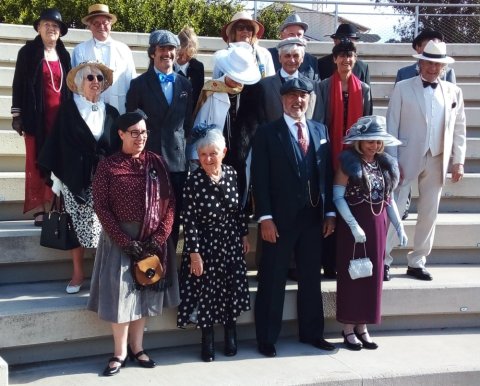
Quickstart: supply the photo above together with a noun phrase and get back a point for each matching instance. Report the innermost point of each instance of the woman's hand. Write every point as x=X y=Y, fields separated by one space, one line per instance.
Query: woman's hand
x=196 y=264
x=246 y=245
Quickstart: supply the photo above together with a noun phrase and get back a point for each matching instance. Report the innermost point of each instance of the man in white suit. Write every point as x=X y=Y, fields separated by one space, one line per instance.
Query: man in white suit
x=114 y=54
x=427 y=115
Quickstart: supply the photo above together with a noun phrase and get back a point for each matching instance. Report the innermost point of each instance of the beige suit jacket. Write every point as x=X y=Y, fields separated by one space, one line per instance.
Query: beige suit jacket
x=407 y=120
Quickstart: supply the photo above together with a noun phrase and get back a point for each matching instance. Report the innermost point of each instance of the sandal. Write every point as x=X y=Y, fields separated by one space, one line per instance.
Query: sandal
x=37 y=222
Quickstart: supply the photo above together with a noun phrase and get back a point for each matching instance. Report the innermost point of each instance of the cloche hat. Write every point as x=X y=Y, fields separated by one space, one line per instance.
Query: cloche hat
x=99 y=10
x=238 y=63
x=52 y=14
x=435 y=52
x=243 y=15
x=370 y=128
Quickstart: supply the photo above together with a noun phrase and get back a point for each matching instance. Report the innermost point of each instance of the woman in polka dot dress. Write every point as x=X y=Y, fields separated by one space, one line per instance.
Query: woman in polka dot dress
x=213 y=280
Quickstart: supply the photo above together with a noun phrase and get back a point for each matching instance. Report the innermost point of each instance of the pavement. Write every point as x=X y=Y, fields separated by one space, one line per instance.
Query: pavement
x=421 y=357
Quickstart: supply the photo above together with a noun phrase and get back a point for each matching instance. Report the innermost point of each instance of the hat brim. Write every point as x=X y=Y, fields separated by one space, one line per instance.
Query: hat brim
x=113 y=18
x=388 y=139
x=249 y=76
x=63 y=26
x=259 y=28
x=353 y=36
x=445 y=59
x=300 y=23
x=107 y=73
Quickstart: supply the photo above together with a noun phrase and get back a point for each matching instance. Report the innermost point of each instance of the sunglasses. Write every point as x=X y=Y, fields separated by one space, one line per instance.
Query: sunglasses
x=91 y=77
x=244 y=27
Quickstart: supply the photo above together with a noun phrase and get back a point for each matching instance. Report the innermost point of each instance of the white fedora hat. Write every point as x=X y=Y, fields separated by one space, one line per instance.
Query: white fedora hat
x=435 y=52
x=238 y=63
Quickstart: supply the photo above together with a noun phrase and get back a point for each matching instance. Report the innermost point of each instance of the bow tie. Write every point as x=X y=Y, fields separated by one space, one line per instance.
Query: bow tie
x=100 y=44
x=166 y=78
x=431 y=84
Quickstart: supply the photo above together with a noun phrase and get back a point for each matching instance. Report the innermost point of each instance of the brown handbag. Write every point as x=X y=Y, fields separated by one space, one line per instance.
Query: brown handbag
x=148 y=270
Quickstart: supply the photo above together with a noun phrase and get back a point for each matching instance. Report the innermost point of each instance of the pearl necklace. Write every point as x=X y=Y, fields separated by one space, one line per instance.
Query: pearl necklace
x=51 y=76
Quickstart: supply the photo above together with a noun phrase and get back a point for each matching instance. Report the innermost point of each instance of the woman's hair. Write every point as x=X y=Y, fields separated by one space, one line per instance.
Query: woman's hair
x=231 y=35
x=344 y=46
x=83 y=72
x=356 y=146
x=188 y=41
x=212 y=137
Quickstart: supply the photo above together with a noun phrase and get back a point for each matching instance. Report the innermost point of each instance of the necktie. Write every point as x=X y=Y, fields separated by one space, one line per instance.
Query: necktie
x=166 y=78
x=431 y=84
x=302 y=142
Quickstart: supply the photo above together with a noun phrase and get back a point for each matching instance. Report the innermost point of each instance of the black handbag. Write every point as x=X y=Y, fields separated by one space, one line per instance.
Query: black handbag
x=57 y=229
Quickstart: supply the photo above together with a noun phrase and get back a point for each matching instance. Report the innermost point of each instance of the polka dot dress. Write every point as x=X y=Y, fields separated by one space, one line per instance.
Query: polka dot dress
x=213 y=227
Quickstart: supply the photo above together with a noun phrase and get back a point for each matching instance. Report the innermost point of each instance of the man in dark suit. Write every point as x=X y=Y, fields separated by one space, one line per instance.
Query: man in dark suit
x=166 y=98
x=294 y=27
x=326 y=66
x=292 y=185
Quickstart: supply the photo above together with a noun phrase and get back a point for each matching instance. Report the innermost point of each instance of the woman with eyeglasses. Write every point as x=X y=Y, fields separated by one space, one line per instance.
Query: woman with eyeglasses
x=38 y=89
x=134 y=200
x=84 y=133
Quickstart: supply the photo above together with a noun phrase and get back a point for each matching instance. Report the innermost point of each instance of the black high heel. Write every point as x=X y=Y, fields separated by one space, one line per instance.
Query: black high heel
x=109 y=371
x=147 y=363
x=366 y=344
x=351 y=346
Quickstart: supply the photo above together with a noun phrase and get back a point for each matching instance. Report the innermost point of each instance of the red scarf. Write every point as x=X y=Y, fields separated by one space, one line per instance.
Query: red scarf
x=337 y=126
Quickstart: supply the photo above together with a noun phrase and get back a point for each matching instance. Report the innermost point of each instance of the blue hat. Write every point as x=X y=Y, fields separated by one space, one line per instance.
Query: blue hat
x=162 y=37
x=297 y=84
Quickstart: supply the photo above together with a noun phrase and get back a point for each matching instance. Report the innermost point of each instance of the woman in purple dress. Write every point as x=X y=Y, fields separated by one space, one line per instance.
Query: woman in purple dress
x=362 y=193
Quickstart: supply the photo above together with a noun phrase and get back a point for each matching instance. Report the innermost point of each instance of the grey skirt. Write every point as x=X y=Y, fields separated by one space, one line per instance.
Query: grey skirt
x=112 y=291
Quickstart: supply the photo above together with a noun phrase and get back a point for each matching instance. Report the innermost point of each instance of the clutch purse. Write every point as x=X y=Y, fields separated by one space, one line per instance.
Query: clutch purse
x=148 y=270
x=57 y=228
x=360 y=267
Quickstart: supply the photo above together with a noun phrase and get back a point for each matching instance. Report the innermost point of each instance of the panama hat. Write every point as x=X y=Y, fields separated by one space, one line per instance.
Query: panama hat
x=243 y=15
x=238 y=63
x=99 y=10
x=370 y=128
x=52 y=14
x=435 y=52
x=107 y=73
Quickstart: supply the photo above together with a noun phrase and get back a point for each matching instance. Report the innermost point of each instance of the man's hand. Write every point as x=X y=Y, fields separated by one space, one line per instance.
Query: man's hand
x=329 y=226
x=269 y=231
x=457 y=172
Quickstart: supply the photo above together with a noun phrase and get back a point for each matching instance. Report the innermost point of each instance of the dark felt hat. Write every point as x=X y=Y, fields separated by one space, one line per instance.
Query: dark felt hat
x=52 y=14
x=297 y=84
x=131 y=118
x=426 y=34
x=346 y=31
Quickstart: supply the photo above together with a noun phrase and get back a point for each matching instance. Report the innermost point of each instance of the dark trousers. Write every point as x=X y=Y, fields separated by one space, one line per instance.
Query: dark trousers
x=303 y=239
x=178 y=182
x=329 y=253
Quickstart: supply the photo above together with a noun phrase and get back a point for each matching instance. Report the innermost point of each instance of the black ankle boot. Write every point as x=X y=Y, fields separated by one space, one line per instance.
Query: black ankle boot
x=230 y=339
x=208 y=349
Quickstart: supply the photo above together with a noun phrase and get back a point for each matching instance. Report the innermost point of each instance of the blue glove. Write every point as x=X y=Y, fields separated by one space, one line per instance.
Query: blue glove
x=344 y=210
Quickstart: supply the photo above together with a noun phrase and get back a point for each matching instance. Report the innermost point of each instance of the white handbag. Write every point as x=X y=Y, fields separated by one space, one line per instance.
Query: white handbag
x=361 y=267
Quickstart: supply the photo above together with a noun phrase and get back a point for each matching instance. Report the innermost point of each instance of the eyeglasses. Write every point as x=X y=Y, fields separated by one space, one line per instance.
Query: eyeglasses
x=104 y=23
x=91 y=77
x=137 y=133
x=244 y=27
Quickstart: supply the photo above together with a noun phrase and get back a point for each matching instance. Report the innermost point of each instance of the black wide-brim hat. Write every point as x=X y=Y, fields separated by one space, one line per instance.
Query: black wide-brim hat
x=52 y=14
x=346 y=30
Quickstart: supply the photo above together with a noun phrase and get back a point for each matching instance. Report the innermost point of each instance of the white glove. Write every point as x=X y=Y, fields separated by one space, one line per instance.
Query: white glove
x=344 y=210
x=394 y=216
x=57 y=186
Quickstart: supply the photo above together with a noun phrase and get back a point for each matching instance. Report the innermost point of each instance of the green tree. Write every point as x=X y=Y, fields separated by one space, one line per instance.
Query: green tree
x=272 y=17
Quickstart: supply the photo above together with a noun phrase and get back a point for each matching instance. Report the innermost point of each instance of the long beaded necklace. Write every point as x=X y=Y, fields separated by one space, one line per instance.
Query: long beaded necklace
x=372 y=166
x=51 y=75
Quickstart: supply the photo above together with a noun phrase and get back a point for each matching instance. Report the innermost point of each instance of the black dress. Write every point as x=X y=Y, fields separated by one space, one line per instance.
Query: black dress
x=213 y=226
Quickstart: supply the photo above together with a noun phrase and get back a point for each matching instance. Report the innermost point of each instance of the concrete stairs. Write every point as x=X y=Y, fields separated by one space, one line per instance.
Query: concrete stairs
x=430 y=330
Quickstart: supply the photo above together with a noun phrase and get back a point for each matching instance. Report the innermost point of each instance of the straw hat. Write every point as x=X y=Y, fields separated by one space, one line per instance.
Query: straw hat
x=99 y=10
x=243 y=15
x=107 y=73
x=435 y=52
x=238 y=63
x=370 y=128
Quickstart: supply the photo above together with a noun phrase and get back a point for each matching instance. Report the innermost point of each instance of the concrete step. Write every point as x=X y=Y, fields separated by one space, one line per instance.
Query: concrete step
x=34 y=316
x=428 y=357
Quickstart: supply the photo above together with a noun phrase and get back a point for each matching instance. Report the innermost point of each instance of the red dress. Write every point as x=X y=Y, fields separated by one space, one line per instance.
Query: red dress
x=37 y=192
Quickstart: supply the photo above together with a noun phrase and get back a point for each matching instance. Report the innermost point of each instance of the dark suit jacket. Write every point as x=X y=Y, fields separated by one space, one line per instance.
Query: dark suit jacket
x=169 y=125
x=326 y=68
x=308 y=68
x=276 y=180
x=196 y=75
x=411 y=71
